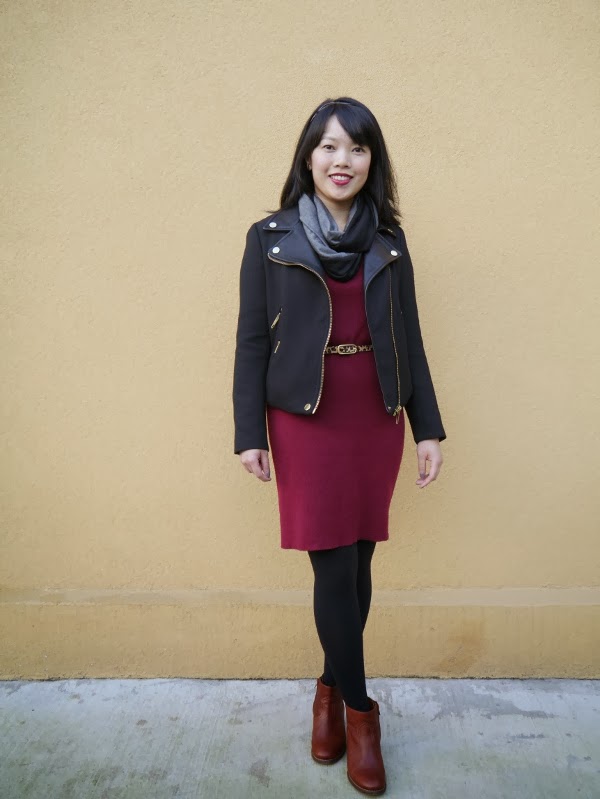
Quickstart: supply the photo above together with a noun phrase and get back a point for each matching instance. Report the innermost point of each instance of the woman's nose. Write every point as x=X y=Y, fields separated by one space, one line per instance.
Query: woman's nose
x=342 y=158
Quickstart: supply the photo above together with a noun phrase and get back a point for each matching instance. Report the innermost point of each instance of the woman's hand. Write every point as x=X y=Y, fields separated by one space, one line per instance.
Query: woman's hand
x=256 y=461
x=429 y=450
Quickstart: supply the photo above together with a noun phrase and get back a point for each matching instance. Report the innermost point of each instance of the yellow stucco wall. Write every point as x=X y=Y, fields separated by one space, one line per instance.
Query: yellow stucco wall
x=140 y=141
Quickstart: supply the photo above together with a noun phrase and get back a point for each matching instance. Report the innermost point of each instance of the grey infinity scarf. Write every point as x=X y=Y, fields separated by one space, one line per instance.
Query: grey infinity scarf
x=340 y=251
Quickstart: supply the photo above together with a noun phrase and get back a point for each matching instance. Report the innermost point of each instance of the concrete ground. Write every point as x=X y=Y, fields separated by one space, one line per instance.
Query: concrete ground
x=224 y=739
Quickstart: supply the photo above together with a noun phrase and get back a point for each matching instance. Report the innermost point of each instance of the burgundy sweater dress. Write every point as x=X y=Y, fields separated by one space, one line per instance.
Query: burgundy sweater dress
x=336 y=469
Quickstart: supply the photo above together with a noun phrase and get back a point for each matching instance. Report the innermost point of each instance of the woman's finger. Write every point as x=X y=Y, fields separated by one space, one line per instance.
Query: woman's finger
x=264 y=464
x=434 y=470
x=257 y=470
x=255 y=467
x=245 y=463
x=421 y=459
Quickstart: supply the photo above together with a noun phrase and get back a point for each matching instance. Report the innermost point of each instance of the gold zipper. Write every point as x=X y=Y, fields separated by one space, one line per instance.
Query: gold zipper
x=398 y=407
x=277 y=347
x=276 y=319
x=288 y=263
x=370 y=333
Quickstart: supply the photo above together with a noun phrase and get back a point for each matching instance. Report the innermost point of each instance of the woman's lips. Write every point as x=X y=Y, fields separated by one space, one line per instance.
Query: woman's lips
x=340 y=180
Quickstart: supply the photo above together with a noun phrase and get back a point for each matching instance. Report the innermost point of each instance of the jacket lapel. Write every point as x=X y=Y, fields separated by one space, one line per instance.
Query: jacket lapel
x=379 y=255
x=294 y=247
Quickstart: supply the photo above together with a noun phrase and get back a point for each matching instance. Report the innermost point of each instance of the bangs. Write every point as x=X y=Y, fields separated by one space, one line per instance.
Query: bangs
x=356 y=122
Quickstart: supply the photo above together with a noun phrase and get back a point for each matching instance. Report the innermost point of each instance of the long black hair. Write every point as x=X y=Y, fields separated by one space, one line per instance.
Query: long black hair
x=362 y=127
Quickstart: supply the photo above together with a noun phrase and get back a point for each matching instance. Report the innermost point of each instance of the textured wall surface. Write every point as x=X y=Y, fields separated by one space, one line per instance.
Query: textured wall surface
x=140 y=141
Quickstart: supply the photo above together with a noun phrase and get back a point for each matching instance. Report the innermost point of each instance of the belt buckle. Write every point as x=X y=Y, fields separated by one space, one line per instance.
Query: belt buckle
x=347 y=349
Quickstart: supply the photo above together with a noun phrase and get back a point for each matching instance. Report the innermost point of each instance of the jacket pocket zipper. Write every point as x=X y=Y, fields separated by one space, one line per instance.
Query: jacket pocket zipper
x=274 y=322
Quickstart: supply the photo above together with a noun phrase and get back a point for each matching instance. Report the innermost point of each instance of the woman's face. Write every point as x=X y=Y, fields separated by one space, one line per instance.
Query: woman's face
x=339 y=167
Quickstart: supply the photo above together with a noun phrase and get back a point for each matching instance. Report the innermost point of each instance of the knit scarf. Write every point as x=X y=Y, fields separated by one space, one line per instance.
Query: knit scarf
x=340 y=251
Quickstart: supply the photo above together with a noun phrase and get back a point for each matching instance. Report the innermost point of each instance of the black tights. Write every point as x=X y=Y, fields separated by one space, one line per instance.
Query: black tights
x=342 y=598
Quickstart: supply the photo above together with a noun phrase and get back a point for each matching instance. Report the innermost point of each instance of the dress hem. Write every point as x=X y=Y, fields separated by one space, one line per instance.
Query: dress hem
x=346 y=544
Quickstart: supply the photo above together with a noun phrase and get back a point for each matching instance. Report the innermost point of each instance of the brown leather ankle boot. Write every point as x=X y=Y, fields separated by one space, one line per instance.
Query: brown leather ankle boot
x=328 y=742
x=365 y=767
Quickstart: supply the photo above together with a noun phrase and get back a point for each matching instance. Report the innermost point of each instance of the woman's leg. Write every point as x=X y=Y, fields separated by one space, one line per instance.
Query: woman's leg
x=365 y=551
x=338 y=619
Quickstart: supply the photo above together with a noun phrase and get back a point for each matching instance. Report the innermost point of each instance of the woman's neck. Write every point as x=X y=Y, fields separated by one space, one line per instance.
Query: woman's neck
x=340 y=213
x=340 y=216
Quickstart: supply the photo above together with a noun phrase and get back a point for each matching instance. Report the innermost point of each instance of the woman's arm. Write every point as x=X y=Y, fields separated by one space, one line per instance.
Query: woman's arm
x=422 y=408
x=252 y=352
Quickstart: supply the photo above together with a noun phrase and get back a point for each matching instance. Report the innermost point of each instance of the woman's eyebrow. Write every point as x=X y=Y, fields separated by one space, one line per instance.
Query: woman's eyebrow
x=335 y=138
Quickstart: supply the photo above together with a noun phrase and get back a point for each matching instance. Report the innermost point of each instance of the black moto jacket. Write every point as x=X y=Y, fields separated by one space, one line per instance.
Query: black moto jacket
x=284 y=325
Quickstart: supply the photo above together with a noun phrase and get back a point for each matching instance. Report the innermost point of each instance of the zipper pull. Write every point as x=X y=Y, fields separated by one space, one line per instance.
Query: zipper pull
x=397 y=413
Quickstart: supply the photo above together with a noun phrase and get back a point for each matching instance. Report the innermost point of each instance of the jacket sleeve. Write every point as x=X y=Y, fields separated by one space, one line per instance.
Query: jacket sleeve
x=422 y=408
x=252 y=351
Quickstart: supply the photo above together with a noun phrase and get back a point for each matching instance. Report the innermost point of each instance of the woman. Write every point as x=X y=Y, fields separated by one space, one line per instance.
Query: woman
x=328 y=355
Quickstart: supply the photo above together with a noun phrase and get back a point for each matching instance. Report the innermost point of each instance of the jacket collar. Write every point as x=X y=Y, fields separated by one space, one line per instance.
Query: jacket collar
x=293 y=247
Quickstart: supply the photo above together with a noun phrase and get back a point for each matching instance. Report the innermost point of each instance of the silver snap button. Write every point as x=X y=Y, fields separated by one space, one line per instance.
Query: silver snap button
x=272 y=224
x=275 y=249
x=307 y=406
x=393 y=252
